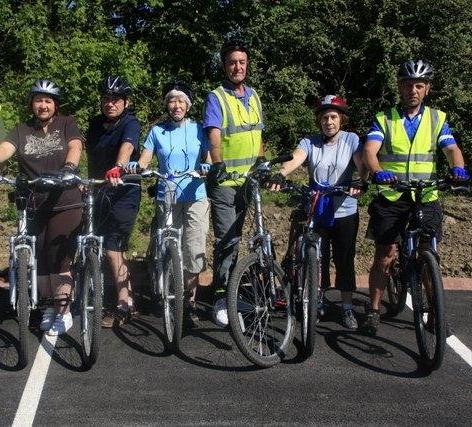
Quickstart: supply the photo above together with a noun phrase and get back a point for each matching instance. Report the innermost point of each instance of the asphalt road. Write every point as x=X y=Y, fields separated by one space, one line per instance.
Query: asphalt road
x=351 y=379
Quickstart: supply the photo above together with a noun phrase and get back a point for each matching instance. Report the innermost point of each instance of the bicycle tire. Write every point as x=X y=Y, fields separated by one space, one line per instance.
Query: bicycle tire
x=245 y=302
x=397 y=290
x=309 y=304
x=22 y=305
x=91 y=301
x=173 y=298
x=428 y=312
x=152 y=265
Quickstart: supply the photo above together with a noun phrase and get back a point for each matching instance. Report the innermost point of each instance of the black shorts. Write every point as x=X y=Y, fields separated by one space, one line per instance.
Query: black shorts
x=55 y=239
x=115 y=215
x=388 y=220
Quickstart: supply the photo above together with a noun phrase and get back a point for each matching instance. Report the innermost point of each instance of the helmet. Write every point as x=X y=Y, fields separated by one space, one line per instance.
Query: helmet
x=46 y=87
x=331 y=101
x=416 y=69
x=179 y=85
x=231 y=45
x=115 y=85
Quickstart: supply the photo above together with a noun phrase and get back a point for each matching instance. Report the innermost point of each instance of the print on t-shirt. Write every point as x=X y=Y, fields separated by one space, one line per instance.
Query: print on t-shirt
x=43 y=146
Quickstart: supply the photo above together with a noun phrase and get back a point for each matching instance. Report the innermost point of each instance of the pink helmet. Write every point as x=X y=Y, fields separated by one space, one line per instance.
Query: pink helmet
x=331 y=101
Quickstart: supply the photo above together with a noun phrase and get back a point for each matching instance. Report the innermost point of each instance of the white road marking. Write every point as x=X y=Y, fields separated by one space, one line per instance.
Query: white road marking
x=452 y=341
x=34 y=386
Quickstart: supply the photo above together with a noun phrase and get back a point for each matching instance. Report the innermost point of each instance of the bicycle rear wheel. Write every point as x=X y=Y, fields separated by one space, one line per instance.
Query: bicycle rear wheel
x=261 y=324
x=428 y=311
x=396 y=290
x=23 y=304
x=173 y=297
x=91 y=300
x=311 y=283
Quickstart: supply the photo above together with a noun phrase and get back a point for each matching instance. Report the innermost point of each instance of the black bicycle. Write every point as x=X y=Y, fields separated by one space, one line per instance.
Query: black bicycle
x=259 y=306
x=303 y=262
x=417 y=269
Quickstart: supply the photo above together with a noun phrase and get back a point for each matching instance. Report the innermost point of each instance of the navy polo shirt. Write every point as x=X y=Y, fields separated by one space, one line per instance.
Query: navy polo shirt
x=103 y=144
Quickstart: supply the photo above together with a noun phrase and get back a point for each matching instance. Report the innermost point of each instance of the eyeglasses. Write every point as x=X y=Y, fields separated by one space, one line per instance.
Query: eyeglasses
x=111 y=99
x=244 y=123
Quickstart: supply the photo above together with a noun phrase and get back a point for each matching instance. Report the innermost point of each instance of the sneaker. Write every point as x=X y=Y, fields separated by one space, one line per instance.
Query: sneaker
x=191 y=318
x=62 y=323
x=48 y=319
x=220 y=313
x=349 y=320
x=322 y=306
x=108 y=319
x=371 y=324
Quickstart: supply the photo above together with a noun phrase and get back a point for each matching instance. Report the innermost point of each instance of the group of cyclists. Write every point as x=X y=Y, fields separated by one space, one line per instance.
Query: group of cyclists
x=401 y=145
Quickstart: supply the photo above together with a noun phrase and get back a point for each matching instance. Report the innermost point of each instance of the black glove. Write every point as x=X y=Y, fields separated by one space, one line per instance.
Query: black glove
x=217 y=173
x=69 y=168
x=277 y=179
x=259 y=160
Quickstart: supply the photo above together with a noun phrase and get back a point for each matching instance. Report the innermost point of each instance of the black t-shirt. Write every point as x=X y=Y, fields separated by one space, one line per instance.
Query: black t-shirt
x=103 y=143
x=39 y=152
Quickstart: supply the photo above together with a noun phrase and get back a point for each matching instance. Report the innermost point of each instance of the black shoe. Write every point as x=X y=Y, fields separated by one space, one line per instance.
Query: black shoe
x=371 y=324
x=191 y=318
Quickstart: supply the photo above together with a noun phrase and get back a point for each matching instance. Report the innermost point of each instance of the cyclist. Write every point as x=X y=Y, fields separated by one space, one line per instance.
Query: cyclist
x=180 y=144
x=332 y=156
x=233 y=121
x=401 y=145
x=50 y=142
x=112 y=141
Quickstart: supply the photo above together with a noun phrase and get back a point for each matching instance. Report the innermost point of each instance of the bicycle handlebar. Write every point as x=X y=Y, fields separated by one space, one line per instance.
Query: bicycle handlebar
x=153 y=173
x=440 y=184
x=328 y=189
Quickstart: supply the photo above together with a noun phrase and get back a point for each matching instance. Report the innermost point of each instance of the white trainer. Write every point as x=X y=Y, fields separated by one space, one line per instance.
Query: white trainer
x=48 y=319
x=220 y=313
x=62 y=323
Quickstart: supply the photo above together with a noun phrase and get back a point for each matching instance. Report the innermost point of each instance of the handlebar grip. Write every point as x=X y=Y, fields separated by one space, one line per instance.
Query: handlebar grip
x=281 y=159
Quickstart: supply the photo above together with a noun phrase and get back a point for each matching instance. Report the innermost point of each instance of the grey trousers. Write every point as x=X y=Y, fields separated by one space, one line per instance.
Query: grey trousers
x=228 y=208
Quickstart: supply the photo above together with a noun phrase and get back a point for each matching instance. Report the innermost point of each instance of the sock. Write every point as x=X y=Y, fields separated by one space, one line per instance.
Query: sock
x=347 y=307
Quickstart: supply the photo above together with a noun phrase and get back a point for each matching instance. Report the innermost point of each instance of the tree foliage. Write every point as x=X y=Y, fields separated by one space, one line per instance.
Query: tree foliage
x=301 y=49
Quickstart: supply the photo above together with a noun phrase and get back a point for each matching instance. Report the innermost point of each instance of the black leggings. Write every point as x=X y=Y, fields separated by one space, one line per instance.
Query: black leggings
x=342 y=237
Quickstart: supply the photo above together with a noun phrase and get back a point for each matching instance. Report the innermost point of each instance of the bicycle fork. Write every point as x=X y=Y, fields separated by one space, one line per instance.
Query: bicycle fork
x=32 y=267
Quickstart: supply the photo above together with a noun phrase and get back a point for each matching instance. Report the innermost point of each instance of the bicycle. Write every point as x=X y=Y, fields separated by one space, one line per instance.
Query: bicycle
x=22 y=259
x=260 y=311
x=166 y=261
x=417 y=269
x=303 y=268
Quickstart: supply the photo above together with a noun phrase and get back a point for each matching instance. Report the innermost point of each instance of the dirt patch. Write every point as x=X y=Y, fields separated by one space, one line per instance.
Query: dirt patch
x=455 y=249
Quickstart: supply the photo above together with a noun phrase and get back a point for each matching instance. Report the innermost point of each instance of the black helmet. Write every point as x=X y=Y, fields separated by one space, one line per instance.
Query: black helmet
x=416 y=70
x=231 y=45
x=178 y=85
x=115 y=85
x=46 y=87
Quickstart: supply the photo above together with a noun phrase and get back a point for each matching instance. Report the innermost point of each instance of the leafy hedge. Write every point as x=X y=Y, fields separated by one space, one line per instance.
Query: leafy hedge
x=300 y=49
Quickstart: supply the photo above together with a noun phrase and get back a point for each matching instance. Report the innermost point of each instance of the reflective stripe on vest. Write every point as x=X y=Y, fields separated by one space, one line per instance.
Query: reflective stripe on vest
x=410 y=159
x=241 y=132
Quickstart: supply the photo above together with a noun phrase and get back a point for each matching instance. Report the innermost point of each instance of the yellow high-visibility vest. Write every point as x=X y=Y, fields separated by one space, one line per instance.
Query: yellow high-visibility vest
x=407 y=159
x=241 y=132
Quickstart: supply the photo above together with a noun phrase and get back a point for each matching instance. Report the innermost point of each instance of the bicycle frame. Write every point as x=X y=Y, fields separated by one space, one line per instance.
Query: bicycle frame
x=89 y=239
x=23 y=241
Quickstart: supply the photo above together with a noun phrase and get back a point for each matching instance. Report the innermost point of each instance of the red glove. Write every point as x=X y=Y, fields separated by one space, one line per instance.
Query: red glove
x=114 y=172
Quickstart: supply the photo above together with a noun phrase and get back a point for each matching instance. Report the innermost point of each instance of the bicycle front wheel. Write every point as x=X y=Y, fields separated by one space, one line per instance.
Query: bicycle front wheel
x=23 y=304
x=91 y=300
x=173 y=298
x=428 y=311
x=261 y=323
x=311 y=283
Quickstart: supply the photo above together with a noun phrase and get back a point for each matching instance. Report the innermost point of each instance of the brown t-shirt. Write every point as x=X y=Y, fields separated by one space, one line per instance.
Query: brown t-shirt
x=40 y=152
